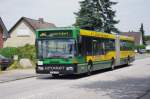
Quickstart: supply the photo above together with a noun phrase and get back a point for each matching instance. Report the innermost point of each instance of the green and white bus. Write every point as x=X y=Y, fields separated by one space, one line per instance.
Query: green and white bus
x=70 y=50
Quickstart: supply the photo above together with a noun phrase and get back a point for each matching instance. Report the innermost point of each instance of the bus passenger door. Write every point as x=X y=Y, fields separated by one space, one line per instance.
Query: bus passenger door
x=97 y=50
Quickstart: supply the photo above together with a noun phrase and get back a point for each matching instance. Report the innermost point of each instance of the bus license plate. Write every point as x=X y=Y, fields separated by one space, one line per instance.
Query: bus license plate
x=54 y=72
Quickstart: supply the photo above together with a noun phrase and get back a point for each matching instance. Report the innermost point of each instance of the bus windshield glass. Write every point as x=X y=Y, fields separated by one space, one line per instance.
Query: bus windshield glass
x=63 y=48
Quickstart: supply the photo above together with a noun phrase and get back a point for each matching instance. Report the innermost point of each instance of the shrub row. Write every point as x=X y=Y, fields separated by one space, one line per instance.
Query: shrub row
x=27 y=51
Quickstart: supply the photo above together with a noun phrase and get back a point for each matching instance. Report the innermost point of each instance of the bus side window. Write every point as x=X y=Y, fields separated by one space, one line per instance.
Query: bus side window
x=79 y=49
x=82 y=50
x=109 y=45
x=87 y=46
x=101 y=48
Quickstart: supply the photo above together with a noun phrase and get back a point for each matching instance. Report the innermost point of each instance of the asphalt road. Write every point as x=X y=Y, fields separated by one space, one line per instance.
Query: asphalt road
x=131 y=82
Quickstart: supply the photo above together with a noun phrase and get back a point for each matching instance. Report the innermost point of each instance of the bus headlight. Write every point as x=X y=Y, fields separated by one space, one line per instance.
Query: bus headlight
x=69 y=68
x=40 y=68
x=40 y=63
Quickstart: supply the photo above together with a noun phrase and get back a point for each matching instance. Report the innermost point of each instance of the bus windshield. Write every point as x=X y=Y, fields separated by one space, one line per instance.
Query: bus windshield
x=54 y=48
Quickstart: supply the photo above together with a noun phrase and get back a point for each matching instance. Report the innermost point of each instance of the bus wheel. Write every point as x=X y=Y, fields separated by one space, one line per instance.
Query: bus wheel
x=112 y=64
x=128 y=61
x=89 y=68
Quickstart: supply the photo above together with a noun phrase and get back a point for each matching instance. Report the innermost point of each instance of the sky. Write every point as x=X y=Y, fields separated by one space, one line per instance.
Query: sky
x=131 y=13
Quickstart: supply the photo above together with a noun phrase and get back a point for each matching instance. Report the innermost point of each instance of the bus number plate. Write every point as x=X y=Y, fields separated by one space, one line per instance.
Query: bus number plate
x=54 y=72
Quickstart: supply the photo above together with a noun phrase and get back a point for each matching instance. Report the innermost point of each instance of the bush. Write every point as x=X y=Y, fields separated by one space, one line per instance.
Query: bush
x=28 y=51
x=138 y=47
x=9 y=51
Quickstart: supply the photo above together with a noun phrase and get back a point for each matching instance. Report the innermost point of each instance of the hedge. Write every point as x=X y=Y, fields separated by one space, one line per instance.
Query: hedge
x=27 y=51
x=9 y=51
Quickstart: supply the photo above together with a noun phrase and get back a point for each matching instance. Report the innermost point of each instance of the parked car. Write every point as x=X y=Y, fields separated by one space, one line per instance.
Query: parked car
x=4 y=62
x=142 y=51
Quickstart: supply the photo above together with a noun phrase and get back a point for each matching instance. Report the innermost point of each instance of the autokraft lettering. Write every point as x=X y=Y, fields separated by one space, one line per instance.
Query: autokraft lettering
x=55 y=68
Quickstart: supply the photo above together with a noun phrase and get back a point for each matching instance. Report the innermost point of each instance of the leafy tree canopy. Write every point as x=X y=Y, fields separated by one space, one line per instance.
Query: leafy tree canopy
x=97 y=15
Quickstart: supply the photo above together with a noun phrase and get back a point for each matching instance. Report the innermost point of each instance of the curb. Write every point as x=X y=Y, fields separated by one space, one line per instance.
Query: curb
x=18 y=79
x=146 y=95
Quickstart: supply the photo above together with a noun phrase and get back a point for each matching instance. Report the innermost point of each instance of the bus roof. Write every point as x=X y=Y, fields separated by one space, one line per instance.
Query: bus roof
x=103 y=35
x=126 y=38
x=88 y=33
x=96 y=34
x=57 y=28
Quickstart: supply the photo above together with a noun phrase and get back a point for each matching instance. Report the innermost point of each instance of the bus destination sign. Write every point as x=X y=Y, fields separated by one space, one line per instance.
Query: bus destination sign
x=55 y=34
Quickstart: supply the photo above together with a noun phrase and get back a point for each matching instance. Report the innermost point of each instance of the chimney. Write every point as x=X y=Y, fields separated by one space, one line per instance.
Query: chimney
x=41 y=20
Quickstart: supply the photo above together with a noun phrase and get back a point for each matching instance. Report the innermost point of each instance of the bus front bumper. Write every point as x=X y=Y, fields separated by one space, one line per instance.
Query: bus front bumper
x=65 y=69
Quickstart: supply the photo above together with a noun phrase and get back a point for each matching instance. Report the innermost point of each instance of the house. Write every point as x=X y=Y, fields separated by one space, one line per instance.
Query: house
x=3 y=33
x=147 y=43
x=136 y=35
x=23 y=32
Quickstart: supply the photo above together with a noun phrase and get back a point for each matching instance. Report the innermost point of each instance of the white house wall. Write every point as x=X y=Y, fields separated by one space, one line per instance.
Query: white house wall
x=20 y=36
x=148 y=47
x=141 y=40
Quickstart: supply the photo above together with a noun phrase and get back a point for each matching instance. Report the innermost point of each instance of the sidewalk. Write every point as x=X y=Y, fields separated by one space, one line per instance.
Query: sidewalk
x=12 y=75
x=141 y=56
x=146 y=96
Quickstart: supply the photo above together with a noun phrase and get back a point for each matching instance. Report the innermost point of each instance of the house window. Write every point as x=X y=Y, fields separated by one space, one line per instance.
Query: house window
x=23 y=32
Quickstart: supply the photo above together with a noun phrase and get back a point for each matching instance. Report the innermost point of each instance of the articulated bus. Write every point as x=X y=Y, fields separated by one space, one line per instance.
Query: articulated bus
x=70 y=50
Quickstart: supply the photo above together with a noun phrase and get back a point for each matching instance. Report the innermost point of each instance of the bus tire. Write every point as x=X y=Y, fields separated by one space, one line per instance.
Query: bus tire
x=112 y=64
x=89 y=68
x=128 y=61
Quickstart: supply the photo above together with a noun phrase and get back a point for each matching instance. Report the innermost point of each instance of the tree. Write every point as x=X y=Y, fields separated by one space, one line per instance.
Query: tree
x=143 y=33
x=87 y=17
x=147 y=38
x=97 y=15
x=109 y=15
